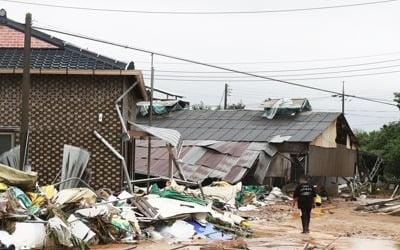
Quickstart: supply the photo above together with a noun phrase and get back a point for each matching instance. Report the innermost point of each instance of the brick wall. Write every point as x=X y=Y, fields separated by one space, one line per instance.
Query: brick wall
x=64 y=110
x=10 y=38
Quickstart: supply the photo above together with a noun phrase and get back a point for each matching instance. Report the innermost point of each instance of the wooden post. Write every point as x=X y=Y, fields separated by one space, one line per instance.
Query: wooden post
x=226 y=97
x=25 y=90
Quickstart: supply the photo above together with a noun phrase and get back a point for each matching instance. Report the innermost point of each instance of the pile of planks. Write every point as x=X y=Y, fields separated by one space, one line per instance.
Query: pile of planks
x=390 y=206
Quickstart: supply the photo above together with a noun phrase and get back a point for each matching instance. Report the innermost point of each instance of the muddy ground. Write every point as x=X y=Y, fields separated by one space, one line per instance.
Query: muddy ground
x=335 y=226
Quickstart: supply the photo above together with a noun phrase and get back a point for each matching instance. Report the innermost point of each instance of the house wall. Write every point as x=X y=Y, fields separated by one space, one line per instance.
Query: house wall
x=10 y=38
x=327 y=139
x=64 y=110
x=338 y=161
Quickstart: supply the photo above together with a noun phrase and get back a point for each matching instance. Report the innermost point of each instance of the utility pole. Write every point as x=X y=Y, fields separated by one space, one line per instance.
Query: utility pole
x=25 y=91
x=226 y=97
x=150 y=121
x=343 y=97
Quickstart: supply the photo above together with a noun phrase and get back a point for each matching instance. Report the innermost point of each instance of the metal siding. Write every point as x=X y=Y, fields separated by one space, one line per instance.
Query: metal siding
x=338 y=161
x=210 y=159
x=248 y=158
x=226 y=163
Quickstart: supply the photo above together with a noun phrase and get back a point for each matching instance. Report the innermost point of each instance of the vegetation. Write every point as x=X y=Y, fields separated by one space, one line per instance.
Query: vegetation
x=202 y=106
x=384 y=143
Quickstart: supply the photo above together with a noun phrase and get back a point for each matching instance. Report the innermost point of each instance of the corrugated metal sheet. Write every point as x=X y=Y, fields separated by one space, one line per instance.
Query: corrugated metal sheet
x=229 y=161
x=338 y=161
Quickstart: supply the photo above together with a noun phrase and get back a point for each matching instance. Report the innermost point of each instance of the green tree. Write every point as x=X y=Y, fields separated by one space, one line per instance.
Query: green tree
x=397 y=98
x=385 y=143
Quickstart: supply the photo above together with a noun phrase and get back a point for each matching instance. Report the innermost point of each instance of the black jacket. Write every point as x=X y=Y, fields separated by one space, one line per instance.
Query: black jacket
x=304 y=194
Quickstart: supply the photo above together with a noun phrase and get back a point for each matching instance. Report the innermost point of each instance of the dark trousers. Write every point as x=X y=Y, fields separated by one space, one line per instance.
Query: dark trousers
x=305 y=218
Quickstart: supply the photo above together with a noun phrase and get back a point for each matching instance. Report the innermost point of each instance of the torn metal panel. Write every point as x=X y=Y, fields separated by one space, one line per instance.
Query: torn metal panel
x=231 y=148
x=210 y=159
x=193 y=155
x=74 y=164
x=226 y=163
x=171 y=136
x=11 y=157
x=263 y=163
x=280 y=166
x=266 y=147
x=202 y=159
x=235 y=175
x=248 y=158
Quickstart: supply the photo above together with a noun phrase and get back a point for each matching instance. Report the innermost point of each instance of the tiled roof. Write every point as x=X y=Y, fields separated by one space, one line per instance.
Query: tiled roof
x=244 y=125
x=56 y=59
x=63 y=55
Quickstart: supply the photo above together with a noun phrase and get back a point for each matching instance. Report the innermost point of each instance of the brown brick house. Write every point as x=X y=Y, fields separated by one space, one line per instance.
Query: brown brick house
x=71 y=90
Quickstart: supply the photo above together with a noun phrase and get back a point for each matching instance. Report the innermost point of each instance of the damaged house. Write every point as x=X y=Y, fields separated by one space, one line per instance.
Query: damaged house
x=271 y=146
x=73 y=92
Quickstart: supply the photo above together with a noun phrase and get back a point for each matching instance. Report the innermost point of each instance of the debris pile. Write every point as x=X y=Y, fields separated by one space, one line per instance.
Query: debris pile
x=73 y=216
x=388 y=206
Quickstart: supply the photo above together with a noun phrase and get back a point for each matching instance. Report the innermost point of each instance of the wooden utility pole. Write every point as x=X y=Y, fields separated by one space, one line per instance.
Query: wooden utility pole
x=150 y=122
x=25 y=91
x=226 y=97
x=343 y=97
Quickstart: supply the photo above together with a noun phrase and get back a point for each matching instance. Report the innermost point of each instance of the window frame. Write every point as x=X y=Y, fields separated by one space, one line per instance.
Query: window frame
x=11 y=133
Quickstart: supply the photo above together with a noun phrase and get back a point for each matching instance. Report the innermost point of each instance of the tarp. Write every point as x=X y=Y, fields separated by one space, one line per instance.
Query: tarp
x=285 y=107
x=175 y=195
x=13 y=177
x=170 y=208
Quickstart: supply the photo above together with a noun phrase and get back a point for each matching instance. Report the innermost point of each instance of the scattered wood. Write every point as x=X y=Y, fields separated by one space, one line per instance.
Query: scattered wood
x=222 y=245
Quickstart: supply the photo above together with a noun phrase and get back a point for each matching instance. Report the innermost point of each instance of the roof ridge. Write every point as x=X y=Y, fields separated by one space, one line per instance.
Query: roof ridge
x=62 y=44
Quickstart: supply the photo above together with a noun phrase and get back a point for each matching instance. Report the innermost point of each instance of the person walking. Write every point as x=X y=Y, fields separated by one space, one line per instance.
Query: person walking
x=304 y=197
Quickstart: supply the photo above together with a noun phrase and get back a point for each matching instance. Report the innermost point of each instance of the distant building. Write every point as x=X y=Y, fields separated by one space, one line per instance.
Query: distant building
x=73 y=92
x=244 y=145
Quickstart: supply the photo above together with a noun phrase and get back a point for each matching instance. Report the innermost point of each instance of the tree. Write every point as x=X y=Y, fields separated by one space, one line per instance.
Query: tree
x=397 y=98
x=385 y=143
x=239 y=105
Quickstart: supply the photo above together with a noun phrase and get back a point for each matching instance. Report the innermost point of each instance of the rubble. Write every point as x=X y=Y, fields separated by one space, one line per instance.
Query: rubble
x=387 y=206
x=80 y=217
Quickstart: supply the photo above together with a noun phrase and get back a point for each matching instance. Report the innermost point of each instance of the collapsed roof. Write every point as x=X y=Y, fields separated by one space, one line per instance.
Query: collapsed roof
x=228 y=161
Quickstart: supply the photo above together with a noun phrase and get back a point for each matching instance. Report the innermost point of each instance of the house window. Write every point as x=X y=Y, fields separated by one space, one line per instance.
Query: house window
x=6 y=141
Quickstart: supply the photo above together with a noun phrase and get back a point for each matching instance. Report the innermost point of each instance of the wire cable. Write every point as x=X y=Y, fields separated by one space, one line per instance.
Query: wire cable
x=284 y=80
x=212 y=66
x=289 y=61
x=201 y=12
x=290 y=75
x=284 y=70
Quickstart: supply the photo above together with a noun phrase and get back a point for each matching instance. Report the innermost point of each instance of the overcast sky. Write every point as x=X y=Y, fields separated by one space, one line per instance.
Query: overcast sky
x=251 y=42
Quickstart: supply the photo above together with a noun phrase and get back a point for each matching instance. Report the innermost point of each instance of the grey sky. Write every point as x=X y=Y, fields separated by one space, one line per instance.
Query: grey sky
x=236 y=39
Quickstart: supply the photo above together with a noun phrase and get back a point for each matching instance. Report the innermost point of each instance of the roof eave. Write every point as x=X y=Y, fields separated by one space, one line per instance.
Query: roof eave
x=96 y=72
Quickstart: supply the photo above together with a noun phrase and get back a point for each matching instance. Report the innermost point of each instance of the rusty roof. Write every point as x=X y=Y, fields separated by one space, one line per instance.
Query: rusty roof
x=228 y=161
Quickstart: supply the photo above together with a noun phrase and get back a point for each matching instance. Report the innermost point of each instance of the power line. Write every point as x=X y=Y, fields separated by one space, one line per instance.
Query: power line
x=290 y=75
x=200 y=12
x=212 y=66
x=271 y=79
x=284 y=70
x=291 y=61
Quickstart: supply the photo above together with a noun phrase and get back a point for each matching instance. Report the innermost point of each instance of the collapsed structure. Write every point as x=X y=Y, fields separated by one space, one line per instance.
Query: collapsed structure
x=235 y=145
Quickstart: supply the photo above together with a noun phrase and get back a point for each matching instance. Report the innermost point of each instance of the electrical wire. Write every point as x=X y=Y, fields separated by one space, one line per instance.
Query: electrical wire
x=290 y=61
x=212 y=66
x=201 y=12
x=285 y=80
x=284 y=70
x=287 y=75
